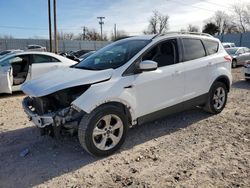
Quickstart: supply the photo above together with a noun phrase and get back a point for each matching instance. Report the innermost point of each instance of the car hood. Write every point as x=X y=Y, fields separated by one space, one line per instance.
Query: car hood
x=62 y=79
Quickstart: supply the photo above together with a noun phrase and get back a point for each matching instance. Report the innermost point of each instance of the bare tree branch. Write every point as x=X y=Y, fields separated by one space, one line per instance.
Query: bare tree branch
x=158 y=23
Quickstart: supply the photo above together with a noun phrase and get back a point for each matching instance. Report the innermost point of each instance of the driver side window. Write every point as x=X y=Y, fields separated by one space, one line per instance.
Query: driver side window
x=165 y=53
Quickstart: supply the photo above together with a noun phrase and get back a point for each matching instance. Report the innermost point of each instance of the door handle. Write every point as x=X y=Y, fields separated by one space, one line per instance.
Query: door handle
x=177 y=72
x=209 y=64
x=129 y=86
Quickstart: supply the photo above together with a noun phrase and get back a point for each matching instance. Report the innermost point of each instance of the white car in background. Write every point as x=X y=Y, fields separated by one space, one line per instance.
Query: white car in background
x=34 y=47
x=17 y=68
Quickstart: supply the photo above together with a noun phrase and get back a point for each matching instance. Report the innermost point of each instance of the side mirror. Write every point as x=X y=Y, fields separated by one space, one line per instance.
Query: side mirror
x=148 y=65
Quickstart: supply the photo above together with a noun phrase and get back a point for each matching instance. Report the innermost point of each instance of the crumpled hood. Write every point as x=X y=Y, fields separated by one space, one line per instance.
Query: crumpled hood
x=62 y=79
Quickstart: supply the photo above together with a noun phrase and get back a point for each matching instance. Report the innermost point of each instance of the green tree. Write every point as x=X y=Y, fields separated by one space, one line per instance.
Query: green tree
x=210 y=28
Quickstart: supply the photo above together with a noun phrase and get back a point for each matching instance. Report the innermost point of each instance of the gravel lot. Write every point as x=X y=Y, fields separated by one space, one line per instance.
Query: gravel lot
x=189 y=149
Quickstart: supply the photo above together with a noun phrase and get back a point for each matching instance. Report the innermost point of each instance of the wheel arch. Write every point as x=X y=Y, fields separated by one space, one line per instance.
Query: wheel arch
x=223 y=79
x=234 y=59
x=123 y=105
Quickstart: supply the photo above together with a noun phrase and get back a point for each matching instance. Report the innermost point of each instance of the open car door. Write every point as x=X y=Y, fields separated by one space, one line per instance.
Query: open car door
x=6 y=79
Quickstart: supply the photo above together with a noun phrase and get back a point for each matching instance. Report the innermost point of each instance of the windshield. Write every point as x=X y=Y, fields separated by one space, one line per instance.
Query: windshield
x=113 y=55
x=232 y=50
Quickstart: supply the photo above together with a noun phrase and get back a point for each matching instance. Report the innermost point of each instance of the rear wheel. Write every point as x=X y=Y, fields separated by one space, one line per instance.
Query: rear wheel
x=217 y=98
x=103 y=131
x=234 y=63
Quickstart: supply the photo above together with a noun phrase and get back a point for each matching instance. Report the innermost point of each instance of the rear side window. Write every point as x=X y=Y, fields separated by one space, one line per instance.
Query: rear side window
x=193 y=49
x=211 y=46
x=44 y=59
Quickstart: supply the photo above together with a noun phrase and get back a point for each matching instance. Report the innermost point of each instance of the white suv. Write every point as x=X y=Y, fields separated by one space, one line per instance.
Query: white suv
x=129 y=82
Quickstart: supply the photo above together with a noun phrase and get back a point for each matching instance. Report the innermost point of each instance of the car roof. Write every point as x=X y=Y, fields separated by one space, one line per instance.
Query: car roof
x=37 y=52
x=61 y=58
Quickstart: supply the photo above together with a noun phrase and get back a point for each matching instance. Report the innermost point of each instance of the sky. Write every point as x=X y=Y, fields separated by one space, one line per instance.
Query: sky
x=29 y=18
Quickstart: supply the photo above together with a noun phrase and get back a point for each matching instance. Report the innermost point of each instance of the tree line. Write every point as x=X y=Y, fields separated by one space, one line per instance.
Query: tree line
x=236 y=21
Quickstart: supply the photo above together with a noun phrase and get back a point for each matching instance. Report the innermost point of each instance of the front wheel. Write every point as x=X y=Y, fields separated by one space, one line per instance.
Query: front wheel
x=217 y=98
x=103 y=131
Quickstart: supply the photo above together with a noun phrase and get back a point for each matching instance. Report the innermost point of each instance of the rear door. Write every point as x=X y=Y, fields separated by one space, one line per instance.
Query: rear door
x=241 y=56
x=196 y=68
x=42 y=64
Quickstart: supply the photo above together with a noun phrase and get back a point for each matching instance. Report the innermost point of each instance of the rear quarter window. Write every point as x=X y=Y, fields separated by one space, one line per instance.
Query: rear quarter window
x=44 y=59
x=193 y=49
x=211 y=46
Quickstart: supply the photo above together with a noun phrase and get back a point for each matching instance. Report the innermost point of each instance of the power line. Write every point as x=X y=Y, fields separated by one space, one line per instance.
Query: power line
x=36 y=28
x=212 y=3
x=24 y=28
x=225 y=5
x=194 y=6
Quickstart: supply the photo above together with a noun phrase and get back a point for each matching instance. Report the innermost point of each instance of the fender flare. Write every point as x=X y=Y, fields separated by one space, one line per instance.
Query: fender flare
x=224 y=79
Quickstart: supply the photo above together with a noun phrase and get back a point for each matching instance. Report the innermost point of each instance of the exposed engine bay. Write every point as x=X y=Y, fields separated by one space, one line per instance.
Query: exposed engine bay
x=54 y=114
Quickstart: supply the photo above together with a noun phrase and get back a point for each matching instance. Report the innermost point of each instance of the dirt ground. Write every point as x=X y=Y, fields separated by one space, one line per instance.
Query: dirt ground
x=189 y=149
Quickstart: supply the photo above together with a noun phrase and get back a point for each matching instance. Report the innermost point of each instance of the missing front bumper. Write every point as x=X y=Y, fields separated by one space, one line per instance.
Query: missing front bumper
x=68 y=117
x=39 y=121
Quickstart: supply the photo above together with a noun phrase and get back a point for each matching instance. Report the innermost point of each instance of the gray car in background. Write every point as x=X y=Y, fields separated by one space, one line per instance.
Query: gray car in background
x=240 y=55
x=228 y=45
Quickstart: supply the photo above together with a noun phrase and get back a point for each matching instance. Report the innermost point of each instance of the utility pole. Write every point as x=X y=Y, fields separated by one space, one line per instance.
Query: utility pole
x=55 y=30
x=101 y=23
x=50 y=32
x=115 y=32
x=83 y=32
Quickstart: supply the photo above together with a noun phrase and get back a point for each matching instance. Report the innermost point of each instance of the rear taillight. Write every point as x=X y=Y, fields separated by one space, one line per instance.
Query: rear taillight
x=228 y=58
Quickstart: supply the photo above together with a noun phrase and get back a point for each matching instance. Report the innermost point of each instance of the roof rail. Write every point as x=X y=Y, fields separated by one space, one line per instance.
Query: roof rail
x=184 y=32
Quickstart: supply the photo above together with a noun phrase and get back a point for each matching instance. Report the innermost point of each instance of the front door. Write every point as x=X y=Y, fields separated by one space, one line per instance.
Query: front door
x=42 y=64
x=6 y=79
x=164 y=87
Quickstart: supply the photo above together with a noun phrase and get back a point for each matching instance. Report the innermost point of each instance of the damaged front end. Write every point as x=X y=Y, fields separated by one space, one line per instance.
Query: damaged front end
x=54 y=114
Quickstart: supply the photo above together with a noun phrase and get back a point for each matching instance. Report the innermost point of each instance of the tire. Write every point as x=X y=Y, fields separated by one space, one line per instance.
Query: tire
x=234 y=63
x=108 y=138
x=213 y=105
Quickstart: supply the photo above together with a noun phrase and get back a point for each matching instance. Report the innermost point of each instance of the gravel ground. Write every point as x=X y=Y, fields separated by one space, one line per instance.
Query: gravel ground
x=189 y=149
